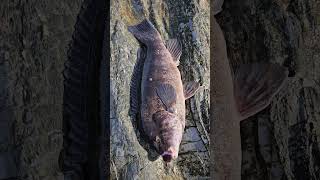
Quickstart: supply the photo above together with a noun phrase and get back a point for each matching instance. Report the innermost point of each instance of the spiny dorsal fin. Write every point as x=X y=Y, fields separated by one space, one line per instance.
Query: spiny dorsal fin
x=174 y=48
x=190 y=89
x=255 y=85
x=167 y=95
x=136 y=82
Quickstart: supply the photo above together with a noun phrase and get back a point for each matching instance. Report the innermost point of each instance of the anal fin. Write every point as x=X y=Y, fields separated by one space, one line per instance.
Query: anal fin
x=135 y=84
x=255 y=85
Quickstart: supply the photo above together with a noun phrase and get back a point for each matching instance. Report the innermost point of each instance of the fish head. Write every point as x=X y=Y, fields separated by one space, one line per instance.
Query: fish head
x=170 y=134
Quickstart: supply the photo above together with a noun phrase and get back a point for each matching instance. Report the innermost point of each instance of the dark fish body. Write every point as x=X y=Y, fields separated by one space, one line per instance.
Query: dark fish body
x=159 y=68
x=163 y=95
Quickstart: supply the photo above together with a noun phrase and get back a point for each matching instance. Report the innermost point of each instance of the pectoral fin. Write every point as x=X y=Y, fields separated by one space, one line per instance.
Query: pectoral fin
x=190 y=89
x=167 y=95
x=217 y=6
x=255 y=85
x=174 y=48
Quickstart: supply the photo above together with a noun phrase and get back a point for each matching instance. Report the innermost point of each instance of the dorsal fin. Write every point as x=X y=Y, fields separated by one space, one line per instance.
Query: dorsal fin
x=136 y=82
x=255 y=85
x=175 y=50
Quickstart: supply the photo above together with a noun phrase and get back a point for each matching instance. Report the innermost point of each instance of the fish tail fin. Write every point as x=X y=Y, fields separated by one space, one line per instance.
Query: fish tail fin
x=255 y=85
x=145 y=32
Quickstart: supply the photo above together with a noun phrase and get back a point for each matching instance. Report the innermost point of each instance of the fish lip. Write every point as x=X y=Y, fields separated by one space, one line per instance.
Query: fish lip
x=168 y=155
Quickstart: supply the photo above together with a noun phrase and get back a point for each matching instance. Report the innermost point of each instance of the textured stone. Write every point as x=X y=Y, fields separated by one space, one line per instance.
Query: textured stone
x=34 y=37
x=8 y=167
x=281 y=141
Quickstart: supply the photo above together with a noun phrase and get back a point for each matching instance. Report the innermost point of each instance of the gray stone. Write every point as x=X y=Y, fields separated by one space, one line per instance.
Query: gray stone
x=8 y=166
x=192 y=146
x=34 y=40
x=191 y=134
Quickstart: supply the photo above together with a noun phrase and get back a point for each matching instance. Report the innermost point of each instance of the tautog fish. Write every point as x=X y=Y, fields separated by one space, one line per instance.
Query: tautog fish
x=162 y=94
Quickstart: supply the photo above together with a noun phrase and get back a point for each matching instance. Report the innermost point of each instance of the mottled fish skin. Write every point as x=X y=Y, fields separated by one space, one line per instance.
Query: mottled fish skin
x=163 y=125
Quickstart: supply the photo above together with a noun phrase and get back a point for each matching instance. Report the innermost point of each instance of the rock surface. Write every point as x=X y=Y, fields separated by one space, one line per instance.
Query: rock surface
x=189 y=22
x=34 y=37
x=280 y=142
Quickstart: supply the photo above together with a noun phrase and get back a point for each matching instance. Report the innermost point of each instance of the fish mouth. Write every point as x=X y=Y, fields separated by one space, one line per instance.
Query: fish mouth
x=168 y=156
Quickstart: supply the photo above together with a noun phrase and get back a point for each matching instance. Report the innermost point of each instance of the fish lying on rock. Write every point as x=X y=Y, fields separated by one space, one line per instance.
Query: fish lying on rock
x=235 y=97
x=162 y=97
